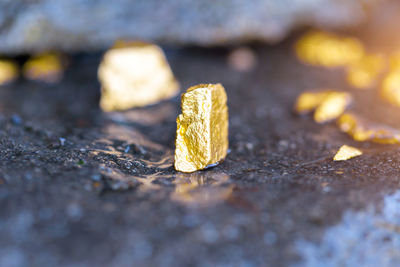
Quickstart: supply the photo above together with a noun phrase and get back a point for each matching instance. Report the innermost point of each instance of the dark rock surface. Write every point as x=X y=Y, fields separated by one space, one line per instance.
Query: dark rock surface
x=106 y=193
x=28 y=26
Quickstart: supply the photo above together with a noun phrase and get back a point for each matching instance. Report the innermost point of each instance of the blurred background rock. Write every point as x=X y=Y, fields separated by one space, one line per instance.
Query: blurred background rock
x=28 y=26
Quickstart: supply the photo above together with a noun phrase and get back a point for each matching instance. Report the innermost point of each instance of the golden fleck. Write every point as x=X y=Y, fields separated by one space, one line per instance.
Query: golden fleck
x=347 y=152
x=332 y=106
x=46 y=67
x=364 y=73
x=202 y=128
x=390 y=90
x=135 y=74
x=361 y=130
x=8 y=71
x=329 y=50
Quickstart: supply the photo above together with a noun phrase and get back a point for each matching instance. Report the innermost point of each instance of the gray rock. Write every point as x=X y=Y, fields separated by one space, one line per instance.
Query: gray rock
x=76 y=25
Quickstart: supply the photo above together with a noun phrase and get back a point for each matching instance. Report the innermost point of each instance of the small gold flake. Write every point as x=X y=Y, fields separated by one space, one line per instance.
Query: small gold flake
x=347 y=152
x=202 y=128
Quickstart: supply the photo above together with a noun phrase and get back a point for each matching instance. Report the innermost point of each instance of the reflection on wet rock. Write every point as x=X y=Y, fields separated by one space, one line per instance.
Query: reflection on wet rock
x=115 y=180
x=201 y=189
x=134 y=75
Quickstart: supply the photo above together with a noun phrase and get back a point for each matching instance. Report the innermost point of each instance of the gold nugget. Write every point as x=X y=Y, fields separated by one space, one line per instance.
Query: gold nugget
x=8 y=71
x=46 y=67
x=134 y=74
x=390 y=90
x=332 y=106
x=309 y=101
x=347 y=152
x=328 y=50
x=202 y=128
x=364 y=73
x=328 y=105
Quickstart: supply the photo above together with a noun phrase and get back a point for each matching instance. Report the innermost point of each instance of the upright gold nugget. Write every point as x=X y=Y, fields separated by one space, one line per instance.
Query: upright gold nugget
x=202 y=128
x=134 y=75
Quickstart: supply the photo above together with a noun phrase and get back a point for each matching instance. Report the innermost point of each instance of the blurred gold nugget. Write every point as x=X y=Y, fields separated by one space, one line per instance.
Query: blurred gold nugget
x=309 y=101
x=332 y=107
x=361 y=130
x=202 y=128
x=390 y=89
x=328 y=105
x=364 y=73
x=328 y=50
x=135 y=74
x=347 y=152
x=46 y=67
x=8 y=71
x=395 y=61
x=200 y=191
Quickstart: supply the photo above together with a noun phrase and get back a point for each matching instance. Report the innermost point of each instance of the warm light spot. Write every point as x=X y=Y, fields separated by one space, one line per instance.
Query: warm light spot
x=8 y=71
x=390 y=90
x=361 y=130
x=46 y=67
x=328 y=50
x=347 y=152
x=364 y=73
x=242 y=59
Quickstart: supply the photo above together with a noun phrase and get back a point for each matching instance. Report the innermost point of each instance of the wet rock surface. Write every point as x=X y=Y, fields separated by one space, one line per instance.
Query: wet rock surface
x=27 y=26
x=79 y=187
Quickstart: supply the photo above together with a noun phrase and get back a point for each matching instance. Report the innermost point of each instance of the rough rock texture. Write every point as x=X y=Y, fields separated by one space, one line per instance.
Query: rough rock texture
x=27 y=26
x=79 y=187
